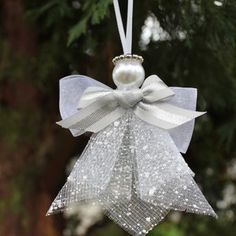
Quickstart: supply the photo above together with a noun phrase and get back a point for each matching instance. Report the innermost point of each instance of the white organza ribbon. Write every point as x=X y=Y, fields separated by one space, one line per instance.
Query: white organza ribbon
x=99 y=107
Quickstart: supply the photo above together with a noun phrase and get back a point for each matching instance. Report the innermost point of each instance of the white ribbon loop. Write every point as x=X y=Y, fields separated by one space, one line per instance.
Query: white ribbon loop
x=100 y=107
x=126 y=38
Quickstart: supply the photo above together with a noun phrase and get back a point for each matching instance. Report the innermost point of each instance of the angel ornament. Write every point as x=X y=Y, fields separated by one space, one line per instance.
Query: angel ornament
x=132 y=166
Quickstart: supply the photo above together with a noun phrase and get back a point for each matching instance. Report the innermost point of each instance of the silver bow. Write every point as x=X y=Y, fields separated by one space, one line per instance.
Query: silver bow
x=100 y=107
x=132 y=167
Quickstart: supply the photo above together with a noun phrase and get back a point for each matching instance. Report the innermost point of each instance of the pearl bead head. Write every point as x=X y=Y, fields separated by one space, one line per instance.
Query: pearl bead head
x=128 y=72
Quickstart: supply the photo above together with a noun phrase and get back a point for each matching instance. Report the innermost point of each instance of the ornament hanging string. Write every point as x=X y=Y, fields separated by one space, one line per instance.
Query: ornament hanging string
x=126 y=37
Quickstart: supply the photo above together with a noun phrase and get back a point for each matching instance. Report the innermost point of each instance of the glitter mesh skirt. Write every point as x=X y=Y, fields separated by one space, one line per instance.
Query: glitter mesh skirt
x=135 y=172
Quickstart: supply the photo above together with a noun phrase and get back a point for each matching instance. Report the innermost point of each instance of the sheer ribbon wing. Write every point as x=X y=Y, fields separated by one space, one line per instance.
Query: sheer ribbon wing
x=71 y=89
x=131 y=168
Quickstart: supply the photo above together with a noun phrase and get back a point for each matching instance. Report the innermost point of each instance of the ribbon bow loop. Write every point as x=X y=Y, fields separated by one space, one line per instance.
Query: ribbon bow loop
x=154 y=89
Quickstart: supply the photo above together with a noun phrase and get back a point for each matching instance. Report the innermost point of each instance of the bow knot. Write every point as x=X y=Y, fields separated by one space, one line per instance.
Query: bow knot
x=128 y=98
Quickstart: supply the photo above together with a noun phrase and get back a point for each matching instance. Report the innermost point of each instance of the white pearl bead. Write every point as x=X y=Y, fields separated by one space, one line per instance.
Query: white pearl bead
x=128 y=74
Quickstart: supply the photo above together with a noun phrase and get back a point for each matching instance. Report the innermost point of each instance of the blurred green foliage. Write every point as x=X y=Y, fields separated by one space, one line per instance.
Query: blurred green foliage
x=199 y=50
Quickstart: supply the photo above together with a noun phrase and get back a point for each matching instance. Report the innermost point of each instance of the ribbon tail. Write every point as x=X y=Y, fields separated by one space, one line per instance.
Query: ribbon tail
x=164 y=115
x=181 y=113
x=93 y=118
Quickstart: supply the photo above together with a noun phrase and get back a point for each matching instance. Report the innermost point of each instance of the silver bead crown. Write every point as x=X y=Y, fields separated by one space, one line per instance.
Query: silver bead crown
x=128 y=56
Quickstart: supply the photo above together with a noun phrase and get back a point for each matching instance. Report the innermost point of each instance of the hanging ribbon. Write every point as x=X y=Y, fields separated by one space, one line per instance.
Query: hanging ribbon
x=99 y=107
x=126 y=38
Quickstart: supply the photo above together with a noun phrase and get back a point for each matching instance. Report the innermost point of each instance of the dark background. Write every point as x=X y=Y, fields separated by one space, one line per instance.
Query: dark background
x=42 y=41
